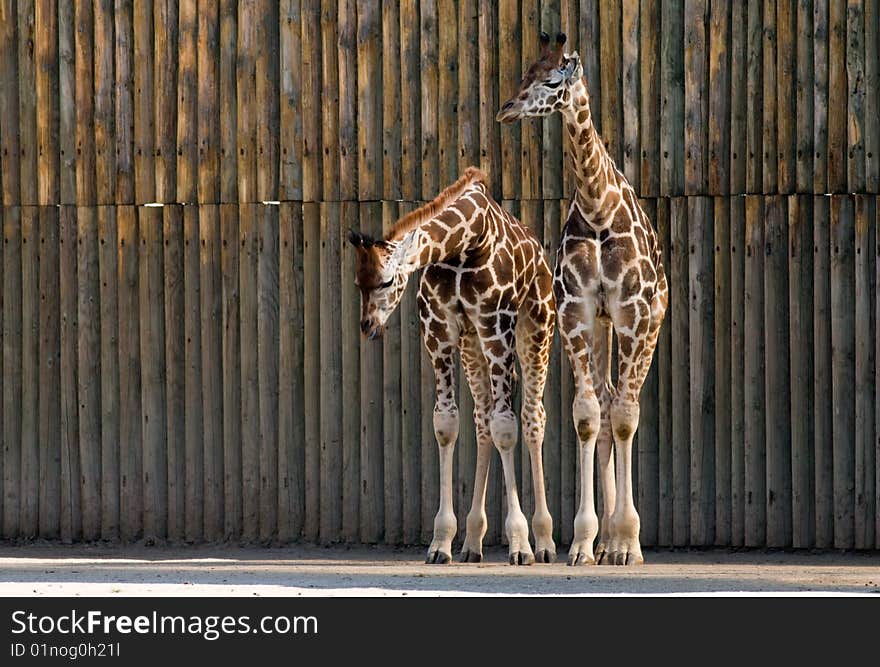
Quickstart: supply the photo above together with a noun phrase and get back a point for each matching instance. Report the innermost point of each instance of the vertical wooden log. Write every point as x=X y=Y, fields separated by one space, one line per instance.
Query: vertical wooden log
x=804 y=97
x=841 y=240
x=649 y=118
x=753 y=369
x=30 y=372
x=165 y=107
x=720 y=99
x=680 y=331
x=229 y=103
x=723 y=334
x=69 y=110
x=770 y=169
x=822 y=408
x=13 y=350
x=3 y=413
x=754 y=98
x=800 y=307
x=568 y=23
x=410 y=374
x=331 y=374
x=267 y=357
x=71 y=469
x=531 y=129
x=430 y=98
x=311 y=99
x=131 y=502
x=232 y=427
x=820 y=97
x=248 y=107
x=291 y=390
x=490 y=145
x=49 y=420
x=89 y=372
x=410 y=104
x=372 y=500
x=649 y=444
x=153 y=372
x=630 y=96
x=47 y=109
x=391 y=102
x=739 y=58
x=105 y=126
x=195 y=398
x=248 y=241
x=187 y=189
x=837 y=92
x=877 y=375
x=392 y=411
x=290 y=131
x=737 y=366
x=855 y=78
x=27 y=102
x=664 y=368
x=330 y=101
x=311 y=368
x=509 y=74
x=183 y=408
x=10 y=147
x=210 y=299
x=268 y=100
x=696 y=97
x=865 y=329
x=672 y=99
x=777 y=369
x=612 y=98
x=124 y=109
x=786 y=95
x=872 y=102
x=701 y=323
x=80 y=160
x=144 y=143
x=447 y=86
x=110 y=404
x=370 y=104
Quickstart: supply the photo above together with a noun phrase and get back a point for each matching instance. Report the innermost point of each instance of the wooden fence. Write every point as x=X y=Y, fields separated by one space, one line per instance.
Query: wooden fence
x=180 y=351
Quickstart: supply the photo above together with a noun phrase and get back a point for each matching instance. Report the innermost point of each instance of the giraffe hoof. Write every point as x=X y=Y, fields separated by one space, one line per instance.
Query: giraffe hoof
x=623 y=558
x=470 y=557
x=522 y=558
x=545 y=556
x=438 y=558
x=581 y=558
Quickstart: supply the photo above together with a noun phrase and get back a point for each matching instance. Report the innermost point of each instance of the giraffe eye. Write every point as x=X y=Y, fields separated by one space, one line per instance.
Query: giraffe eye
x=553 y=84
x=386 y=284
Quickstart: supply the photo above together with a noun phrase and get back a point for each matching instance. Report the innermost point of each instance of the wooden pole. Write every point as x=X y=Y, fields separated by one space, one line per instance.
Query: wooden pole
x=649 y=120
x=804 y=97
x=80 y=160
x=229 y=109
x=105 y=93
x=770 y=169
x=841 y=240
x=124 y=146
x=822 y=409
x=672 y=99
x=786 y=94
x=720 y=99
x=753 y=364
x=777 y=376
x=10 y=147
x=490 y=144
x=872 y=102
x=510 y=37
x=723 y=335
x=696 y=97
x=30 y=371
x=246 y=140
x=27 y=102
x=144 y=141
x=820 y=98
x=268 y=100
x=290 y=119
x=311 y=368
x=187 y=167
x=13 y=355
x=663 y=354
x=837 y=93
x=195 y=397
x=754 y=98
x=110 y=399
x=737 y=366
x=248 y=241
x=530 y=129
x=800 y=307
x=165 y=108
x=267 y=355
x=680 y=332
x=71 y=469
x=630 y=26
x=856 y=93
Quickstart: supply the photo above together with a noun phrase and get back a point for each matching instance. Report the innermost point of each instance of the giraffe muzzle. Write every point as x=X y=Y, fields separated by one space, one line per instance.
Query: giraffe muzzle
x=508 y=113
x=371 y=329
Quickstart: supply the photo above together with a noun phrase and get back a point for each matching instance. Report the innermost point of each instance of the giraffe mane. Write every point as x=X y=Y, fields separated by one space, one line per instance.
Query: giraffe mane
x=415 y=218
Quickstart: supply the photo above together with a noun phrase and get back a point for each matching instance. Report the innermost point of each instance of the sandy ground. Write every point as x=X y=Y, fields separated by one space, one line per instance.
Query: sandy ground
x=55 y=570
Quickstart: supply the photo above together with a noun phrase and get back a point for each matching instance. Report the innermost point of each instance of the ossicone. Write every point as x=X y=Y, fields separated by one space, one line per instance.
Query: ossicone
x=560 y=38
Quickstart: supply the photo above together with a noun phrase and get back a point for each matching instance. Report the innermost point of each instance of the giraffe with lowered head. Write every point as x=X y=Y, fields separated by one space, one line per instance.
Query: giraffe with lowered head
x=486 y=292
x=609 y=275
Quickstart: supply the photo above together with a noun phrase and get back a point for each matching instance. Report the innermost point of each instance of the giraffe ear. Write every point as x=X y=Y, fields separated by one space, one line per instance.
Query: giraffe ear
x=355 y=238
x=545 y=44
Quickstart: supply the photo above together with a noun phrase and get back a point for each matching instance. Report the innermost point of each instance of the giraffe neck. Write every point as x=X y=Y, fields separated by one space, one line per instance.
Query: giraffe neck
x=593 y=167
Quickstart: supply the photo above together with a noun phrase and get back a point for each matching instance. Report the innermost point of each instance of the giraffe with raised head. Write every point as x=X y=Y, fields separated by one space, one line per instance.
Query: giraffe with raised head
x=609 y=276
x=486 y=292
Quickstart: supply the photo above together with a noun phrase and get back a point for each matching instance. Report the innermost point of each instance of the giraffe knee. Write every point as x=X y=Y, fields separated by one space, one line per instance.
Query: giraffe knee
x=445 y=426
x=624 y=419
x=504 y=430
x=587 y=416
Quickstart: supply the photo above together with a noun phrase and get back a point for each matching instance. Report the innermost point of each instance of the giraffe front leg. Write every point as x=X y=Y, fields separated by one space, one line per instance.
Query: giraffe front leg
x=446 y=432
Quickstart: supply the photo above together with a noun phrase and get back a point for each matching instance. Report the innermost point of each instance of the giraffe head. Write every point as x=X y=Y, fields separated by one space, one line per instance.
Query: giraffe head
x=379 y=278
x=546 y=85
